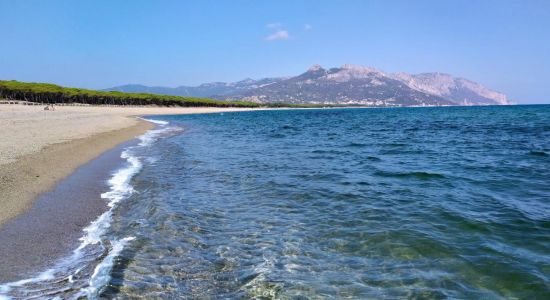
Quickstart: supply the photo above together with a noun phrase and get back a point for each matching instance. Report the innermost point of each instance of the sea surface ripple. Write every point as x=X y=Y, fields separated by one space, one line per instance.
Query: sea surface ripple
x=429 y=203
x=417 y=203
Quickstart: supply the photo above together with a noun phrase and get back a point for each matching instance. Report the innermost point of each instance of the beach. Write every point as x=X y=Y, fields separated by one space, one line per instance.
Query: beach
x=53 y=169
x=38 y=148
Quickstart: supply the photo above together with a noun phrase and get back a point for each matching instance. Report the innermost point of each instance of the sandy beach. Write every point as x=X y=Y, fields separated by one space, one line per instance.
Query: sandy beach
x=51 y=227
x=38 y=148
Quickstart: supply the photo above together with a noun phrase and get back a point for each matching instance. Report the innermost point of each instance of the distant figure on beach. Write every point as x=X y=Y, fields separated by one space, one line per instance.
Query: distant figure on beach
x=49 y=107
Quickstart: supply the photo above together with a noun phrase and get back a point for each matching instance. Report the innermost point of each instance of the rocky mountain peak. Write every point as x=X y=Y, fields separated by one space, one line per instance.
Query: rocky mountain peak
x=315 y=68
x=353 y=72
x=359 y=69
x=458 y=90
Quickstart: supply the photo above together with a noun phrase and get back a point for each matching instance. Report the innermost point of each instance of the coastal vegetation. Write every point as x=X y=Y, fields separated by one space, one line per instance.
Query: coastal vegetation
x=54 y=94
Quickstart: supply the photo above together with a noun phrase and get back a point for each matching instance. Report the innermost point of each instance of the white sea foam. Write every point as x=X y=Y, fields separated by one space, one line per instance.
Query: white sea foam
x=158 y=122
x=102 y=272
x=120 y=188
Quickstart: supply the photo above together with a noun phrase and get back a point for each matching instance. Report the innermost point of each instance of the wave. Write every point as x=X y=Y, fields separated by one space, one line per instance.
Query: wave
x=158 y=122
x=92 y=250
x=373 y=158
x=102 y=272
x=538 y=153
x=356 y=145
x=417 y=175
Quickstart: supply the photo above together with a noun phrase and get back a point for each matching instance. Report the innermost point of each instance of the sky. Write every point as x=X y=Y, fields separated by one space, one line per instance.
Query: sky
x=504 y=45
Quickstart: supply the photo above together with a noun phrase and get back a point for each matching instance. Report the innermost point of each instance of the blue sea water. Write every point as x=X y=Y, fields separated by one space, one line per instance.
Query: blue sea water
x=407 y=203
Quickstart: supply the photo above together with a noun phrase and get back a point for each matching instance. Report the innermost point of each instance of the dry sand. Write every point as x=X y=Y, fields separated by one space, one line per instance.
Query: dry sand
x=38 y=148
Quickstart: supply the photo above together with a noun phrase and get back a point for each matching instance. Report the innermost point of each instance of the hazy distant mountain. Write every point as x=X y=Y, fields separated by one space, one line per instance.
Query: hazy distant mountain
x=458 y=90
x=349 y=84
x=203 y=90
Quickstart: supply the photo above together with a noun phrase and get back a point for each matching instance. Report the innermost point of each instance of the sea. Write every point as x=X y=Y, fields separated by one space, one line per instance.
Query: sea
x=349 y=203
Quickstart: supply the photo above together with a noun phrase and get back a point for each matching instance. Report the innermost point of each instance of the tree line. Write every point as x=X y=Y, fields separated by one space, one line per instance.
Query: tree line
x=51 y=94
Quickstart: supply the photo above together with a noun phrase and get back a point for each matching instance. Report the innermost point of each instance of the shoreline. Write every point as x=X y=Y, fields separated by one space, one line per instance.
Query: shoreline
x=36 y=187
x=39 y=148
x=58 y=217
x=31 y=175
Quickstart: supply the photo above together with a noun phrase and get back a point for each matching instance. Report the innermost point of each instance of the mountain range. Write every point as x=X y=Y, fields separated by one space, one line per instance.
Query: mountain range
x=346 y=85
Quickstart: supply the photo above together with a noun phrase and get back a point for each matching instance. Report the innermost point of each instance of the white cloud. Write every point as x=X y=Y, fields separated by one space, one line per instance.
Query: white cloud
x=278 y=35
x=274 y=25
x=308 y=27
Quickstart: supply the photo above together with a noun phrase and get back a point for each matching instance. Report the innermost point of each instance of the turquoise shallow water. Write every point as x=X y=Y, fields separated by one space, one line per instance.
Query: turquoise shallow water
x=419 y=203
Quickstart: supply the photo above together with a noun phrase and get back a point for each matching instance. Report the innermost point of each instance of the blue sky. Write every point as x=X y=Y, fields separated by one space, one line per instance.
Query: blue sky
x=504 y=45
